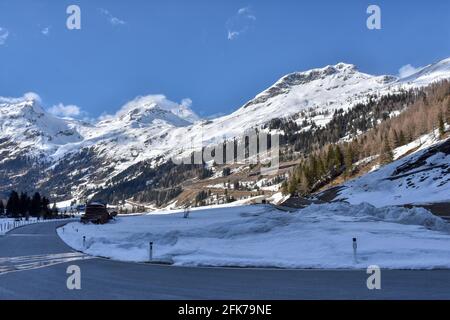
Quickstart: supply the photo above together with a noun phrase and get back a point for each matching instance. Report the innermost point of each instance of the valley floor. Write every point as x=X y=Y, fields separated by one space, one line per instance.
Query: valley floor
x=319 y=236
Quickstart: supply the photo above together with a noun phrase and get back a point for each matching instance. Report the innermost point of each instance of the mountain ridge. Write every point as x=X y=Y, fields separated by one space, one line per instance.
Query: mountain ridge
x=153 y=129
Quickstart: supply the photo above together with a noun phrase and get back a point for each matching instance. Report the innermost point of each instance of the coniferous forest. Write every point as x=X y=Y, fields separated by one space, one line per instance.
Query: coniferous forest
x=367 y=130
x=23 y=206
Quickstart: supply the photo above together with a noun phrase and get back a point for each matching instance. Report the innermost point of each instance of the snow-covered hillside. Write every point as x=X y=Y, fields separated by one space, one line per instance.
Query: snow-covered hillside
x=325 y=89
x=26 y=127
x=319 y=236
x=329 y=88
x=421 y=177
x=131 y=135
x=153 y=129
x=431 y=73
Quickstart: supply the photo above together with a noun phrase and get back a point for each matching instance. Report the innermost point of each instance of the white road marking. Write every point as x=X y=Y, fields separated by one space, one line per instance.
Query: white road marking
x=24 y=263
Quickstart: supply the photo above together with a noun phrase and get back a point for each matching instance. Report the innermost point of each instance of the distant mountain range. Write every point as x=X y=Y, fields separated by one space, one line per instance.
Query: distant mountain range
x=68 y=158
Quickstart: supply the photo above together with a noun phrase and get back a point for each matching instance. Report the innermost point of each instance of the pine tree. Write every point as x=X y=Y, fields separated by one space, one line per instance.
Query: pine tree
x=305 y=183
x=24 y=204
x=36 y=205
x=386 y=155
x=45 y=211
x=339 y=157
x=331 y=158
x=348 y=159
x=447 y=112
x=441 y=125
x=54 y=209
x=13 y=204
x=396 y=139
x=402 y=139
x=314 y=168
x=321 y=162
x=2 y=208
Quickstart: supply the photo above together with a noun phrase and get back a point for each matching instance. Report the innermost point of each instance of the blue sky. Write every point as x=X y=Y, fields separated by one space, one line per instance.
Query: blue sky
x=219 y=54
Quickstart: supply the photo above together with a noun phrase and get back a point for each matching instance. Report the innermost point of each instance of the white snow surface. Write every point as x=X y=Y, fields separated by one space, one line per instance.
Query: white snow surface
x=426 y=183
x=319 y=236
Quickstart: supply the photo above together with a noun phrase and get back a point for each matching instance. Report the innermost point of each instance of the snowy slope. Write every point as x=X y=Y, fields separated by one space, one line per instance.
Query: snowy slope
x=319 y=236
x=431 y=73
x=28 y=128
x=332 y=87
x=421 y=177
x=328 y=88
x=152 y=128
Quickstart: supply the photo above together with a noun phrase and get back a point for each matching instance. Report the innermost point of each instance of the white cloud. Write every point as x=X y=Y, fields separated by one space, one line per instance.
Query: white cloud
x=243 y=10
x=186 y=102
x=112 y=19
x=147 y=101
x=59 y=110
x=66 y=111
x=29 y=96
x=407 y=70
x=247 y=12
x=233 y=34
x=105 y=116
x=45 y=31
x=4 y=34
x=240 y=23
x=156 y=100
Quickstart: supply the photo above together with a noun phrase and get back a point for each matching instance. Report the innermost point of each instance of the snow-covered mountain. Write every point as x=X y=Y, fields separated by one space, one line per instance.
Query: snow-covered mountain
x=431 y=73
x=85 y=156
x=315 y=91
x=26 y=127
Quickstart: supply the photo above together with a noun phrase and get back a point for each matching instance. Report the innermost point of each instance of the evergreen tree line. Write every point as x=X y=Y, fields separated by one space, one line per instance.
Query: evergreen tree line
x=150 y=184
x=18 y=206
x=350 y=123
x=427 y=112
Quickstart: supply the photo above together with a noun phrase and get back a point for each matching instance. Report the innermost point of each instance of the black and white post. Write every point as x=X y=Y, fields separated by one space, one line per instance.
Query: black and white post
x=355 y=246
x=186 y=213
x=150 y=251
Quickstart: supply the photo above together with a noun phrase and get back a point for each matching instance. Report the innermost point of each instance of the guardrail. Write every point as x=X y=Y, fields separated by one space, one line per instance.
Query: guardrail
x=7 y=226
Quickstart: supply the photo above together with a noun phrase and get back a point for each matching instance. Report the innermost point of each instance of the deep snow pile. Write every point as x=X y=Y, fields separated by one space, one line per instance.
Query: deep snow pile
x=319 y=236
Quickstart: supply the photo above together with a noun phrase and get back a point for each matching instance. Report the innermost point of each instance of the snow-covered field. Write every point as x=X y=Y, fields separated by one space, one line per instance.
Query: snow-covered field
x=319 y=236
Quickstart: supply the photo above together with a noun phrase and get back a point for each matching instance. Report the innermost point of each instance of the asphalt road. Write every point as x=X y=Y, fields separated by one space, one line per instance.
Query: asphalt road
x=34 y=261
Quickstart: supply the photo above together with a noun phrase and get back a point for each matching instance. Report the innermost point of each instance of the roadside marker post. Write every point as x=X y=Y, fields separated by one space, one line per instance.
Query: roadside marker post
x=84 y=242
x=150 y=253
x=355 y=246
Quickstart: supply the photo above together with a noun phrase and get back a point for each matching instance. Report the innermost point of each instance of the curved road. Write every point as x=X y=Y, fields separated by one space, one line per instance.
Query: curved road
x=33 y=264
